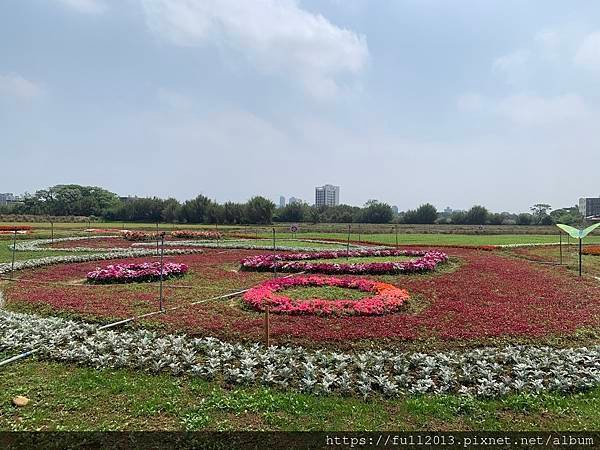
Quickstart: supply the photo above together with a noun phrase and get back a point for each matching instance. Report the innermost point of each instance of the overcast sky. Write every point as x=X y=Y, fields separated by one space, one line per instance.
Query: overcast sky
x=405 y=101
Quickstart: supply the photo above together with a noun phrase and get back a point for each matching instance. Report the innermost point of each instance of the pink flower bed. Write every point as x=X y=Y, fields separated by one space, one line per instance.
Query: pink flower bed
x=186 y=234
x=387 y=298
x=129 y=273
x=295 y=262
x=137 y=236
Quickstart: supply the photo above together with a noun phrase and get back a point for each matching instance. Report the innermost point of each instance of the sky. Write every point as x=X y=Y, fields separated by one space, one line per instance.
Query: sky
x=405 y=101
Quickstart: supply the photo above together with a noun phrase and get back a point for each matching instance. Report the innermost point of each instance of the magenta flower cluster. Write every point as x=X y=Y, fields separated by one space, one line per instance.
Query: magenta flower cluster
x=387 y=298
x=296 y=262
x=129 y=273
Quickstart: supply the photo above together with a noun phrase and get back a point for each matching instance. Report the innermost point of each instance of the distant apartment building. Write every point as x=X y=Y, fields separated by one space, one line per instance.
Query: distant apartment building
x=294 y=200
x=589 y=206
x=395 y=209
x=327 y=195
x=8 y=198
x=281 y=201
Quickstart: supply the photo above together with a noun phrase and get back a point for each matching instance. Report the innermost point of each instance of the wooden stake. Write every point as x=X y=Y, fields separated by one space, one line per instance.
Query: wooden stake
x=267 y=326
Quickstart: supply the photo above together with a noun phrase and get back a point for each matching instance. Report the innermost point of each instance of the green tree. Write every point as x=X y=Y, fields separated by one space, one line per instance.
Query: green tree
x=477 y=215
x=377 y=212
x=424 y=214
x=259 y=210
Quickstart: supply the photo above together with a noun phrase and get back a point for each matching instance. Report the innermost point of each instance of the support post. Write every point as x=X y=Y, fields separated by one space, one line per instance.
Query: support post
x=162 y=254
x=396 y=230
x=560 y=244
x=580 y=250
x=348 y=243
x=267 y=326
x=51 y=232
x=12 y=266
x=359 y=235
x=157 y=239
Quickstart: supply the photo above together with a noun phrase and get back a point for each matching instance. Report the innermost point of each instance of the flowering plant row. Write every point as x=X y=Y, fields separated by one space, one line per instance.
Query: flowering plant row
x=593 y=250
x=234 y=244
x=186 y=234
x=129 y=273
x=41 y=245
x=485 y=372
x=138 y=236
x=387 y=298
x=13 y=228
x=293 y=262
x=51 y=260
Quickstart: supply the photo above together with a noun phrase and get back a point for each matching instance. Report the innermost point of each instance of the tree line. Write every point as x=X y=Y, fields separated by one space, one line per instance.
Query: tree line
x=96 y=202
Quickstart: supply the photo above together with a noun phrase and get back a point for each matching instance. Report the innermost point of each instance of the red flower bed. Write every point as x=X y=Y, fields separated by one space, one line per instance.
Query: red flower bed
x=388 y=298
x=489 y=296
x=293 y=262
x=135 y=272
x=185 y=234
x=114 y=242
x=593 y=250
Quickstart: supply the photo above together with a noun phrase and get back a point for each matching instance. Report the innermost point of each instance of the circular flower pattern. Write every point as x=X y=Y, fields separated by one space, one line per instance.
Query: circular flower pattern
x=387 y=298
x=296 y=262
x=129 y=273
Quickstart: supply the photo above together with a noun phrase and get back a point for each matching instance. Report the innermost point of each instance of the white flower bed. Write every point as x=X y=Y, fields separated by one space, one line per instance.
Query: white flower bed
x=537 y=244
x=40 y=245
x=486 y=372
x=123 y=253
x=249 y=245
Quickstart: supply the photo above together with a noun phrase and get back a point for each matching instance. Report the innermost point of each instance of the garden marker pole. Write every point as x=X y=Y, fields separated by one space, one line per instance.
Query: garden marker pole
x=157 y=238
x=12 y=267
x=52 y=232
x=359 y=234
x=162 y=254
x=267 y=326
x=580 y=249
x=396 y=229
x=348 y=243
x=560 y=244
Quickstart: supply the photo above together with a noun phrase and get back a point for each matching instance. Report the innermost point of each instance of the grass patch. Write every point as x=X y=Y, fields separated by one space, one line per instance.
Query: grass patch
x=325 y=293
x=66 y=397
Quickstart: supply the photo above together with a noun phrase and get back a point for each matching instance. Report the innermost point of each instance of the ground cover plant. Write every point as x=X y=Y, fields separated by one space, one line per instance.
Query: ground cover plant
x=479 y=297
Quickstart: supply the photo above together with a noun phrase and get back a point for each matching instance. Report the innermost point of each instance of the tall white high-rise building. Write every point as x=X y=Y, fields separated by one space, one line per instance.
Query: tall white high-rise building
x=327 y=195
x=281 y=201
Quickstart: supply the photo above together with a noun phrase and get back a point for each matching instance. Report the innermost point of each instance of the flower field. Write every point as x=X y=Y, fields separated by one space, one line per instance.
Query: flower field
x=481 y=296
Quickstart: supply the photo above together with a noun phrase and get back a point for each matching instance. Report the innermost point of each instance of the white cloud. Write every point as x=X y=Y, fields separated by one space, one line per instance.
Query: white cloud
x=588 y=54
x=276 y=36
x=470 y=102
x=525 y=109
x=514 y=66
x=15 y=85
x=85 y=6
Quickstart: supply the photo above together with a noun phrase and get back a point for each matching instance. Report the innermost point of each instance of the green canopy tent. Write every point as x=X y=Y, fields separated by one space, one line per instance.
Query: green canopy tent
x=578 y=234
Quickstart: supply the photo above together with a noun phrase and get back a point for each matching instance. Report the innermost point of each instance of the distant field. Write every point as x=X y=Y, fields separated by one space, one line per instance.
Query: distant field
x=407 y=234
x=442 y=239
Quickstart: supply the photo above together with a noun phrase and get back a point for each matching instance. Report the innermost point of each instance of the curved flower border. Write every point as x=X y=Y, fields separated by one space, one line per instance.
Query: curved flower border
x=485 y=372
x=387 y=298
x=242 y=245
x=135 y=272
x=293 y=262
